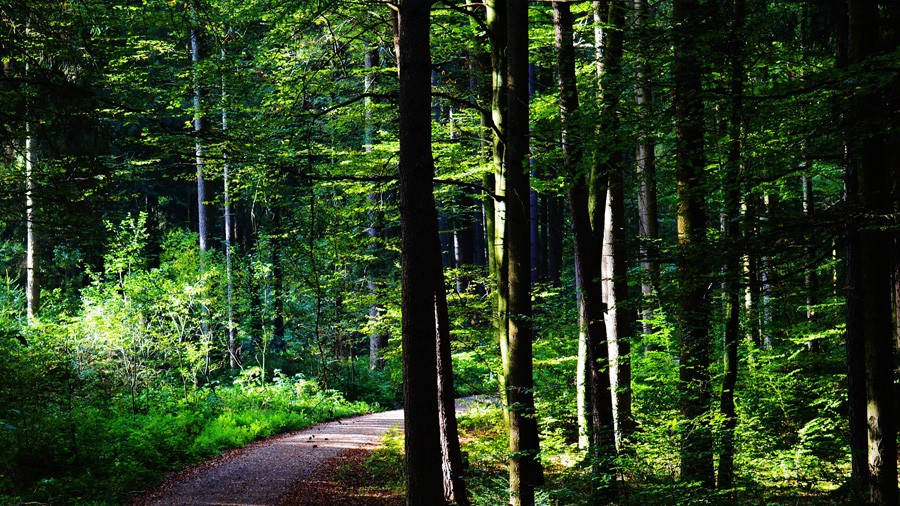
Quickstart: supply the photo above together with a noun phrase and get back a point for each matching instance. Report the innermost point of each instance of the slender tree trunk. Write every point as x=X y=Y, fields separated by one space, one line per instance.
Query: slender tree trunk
x=534 y=209
x=692 y=272
x=496 y=21
x=645 y=165
x=376 y=340
x=419 y=236
x=202 y=230
x=593 y=382
x=32 y=255
x=810 y=281
x=611 y=168
x=752 y=295
x=463 y=241
x=732 y=192
x=452 y=462
x=277 y=286
x=234 y=349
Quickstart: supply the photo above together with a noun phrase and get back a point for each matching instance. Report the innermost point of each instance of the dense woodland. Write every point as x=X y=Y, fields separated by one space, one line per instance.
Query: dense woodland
x=661 y=235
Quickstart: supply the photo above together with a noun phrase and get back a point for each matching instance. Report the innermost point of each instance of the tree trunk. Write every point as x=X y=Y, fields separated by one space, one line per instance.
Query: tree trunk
x=732 y=193
x=534 y=210
x=645 y=165
x=524 y=468
x=234 y=349
x=866 y=150
x=692 y=275
x=32 y=255
x=592 y=382
x=615 y=269
x=810 y=281
x=376 y=340
x=856 y=371
x=277 y=276
x=452 y=462
x=419 y=234
x=202 y=230
x=496 y=21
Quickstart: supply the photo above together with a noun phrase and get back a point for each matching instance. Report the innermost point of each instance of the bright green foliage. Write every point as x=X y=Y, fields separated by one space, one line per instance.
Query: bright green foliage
x=102 y=404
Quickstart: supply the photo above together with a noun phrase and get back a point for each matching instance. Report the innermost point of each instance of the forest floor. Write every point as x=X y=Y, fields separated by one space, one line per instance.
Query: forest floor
x=323 y=466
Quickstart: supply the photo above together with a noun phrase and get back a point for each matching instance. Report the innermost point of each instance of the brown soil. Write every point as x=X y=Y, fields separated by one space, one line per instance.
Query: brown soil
x=322 y=466
x=343 y=481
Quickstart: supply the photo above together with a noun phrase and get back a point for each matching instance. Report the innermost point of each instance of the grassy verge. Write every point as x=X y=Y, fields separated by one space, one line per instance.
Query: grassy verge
x=107 y=454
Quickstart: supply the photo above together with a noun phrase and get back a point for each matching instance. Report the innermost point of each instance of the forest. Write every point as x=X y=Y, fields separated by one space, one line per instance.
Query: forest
x=658 y=239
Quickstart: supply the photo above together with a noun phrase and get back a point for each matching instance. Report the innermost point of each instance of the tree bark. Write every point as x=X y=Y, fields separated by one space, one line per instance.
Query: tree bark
x=810 y=279
x=376 y=340
x=866 y=148
x=202 y=230
x=452 y=462
x=32 y=255
x=732 y=238
x=496 y=218
x=610 y=166
x=593 y=380
x=234 y=349
x=525 y=468
x=419 y=234
x=692 y=275
x=645 y=166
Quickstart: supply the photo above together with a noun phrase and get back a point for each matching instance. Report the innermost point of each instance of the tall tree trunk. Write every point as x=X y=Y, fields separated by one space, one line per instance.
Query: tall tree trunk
x=452 y=462
x=732 y=192
x=277 y=286
x=810 y=281
x=376 y=340
x=856 y=371
x=496 y=22
x=866 y=150
x=534 y=209
x=645 y=165
x=615 y=269
x=202 y=230
x=593 y=382
x=419 y=238
x=692 y=272
x=524 y=467
x=752 y=294
x=234 y=349
x=32 y=255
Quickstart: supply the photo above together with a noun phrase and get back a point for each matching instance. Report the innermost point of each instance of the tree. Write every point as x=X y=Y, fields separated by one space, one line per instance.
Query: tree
x=419 y=239
x=202 y=230
x=609 y=175
x=693 y=308
x=866 y=151
x=732 y=235
x=645 y=166
x=32 y=259
x=508 y=22
x=593 y=353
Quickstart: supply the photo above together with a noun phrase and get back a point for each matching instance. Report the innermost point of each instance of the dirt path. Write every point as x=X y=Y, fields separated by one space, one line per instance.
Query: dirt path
x=268 y=472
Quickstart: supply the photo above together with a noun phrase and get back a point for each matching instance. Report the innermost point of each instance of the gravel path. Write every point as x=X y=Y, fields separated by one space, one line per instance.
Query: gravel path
x=265 y=473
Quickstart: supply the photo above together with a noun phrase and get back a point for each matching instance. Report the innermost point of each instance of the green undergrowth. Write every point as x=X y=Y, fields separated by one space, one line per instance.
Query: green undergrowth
x=103 y=453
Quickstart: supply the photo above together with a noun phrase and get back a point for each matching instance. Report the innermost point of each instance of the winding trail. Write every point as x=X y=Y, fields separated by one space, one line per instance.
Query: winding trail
x=268 y=472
